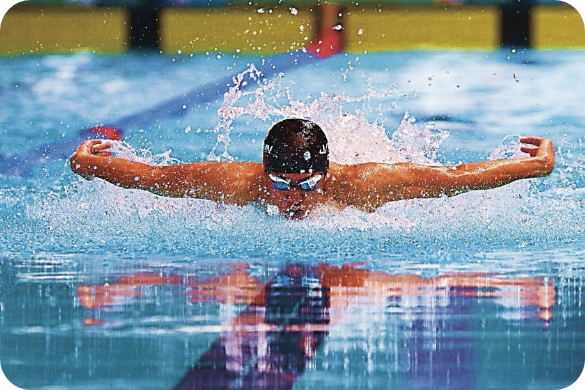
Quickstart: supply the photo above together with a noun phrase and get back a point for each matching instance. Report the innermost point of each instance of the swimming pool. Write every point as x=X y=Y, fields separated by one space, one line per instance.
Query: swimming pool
x=110 y=288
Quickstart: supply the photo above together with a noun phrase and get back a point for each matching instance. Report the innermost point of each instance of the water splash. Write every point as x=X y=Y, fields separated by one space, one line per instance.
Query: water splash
x=124 y=150
x=353 y=138
x=509 y=148
x=229 y=111
x=418 y=143
x=92 y=217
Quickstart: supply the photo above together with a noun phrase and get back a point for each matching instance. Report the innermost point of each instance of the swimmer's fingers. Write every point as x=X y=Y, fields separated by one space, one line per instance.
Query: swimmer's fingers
x=100 y=147
x=543 y=151
x=532 y=151
x=532 y=140
x=542 y=145
x=89 y=154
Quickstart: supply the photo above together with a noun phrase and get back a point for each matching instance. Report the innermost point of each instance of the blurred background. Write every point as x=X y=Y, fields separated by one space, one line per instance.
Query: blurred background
x=267 y=27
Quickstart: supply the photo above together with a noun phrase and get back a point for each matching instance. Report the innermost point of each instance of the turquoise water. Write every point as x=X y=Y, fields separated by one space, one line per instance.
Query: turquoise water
x=511 y=318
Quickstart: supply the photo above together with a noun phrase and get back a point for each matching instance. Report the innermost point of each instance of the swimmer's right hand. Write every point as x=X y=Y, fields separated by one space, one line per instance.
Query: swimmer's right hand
x=98 y=147
x=85 y=155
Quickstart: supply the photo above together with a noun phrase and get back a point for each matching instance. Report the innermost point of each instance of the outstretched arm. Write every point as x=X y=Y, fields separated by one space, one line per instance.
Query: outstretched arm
x=375 y=184
x=222 y=182
x=495 y=173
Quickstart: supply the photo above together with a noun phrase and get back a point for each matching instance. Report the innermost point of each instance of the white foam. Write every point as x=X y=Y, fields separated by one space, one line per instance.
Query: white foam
x=353 y=138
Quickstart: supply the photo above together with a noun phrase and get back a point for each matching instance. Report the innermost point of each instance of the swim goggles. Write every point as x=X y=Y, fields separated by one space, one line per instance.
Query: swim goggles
x=308 y=184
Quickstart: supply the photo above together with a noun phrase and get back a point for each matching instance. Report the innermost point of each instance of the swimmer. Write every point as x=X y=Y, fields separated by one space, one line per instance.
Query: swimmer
x=296 y=175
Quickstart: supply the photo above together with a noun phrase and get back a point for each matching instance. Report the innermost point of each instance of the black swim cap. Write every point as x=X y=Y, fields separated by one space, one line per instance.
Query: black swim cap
x=296 y=146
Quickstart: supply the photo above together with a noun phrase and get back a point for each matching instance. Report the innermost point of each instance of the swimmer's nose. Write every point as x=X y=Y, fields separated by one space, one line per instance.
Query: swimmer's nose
x=295 y=195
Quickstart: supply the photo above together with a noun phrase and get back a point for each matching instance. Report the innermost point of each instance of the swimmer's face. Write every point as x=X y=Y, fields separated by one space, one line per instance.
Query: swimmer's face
x=295 y=194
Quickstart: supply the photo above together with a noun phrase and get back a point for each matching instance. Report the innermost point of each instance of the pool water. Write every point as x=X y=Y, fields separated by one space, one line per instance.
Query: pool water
x=102 y=287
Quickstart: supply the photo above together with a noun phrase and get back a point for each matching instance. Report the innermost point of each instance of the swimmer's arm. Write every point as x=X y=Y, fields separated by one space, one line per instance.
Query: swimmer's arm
x=221 y=182
x=93 y=158
x=371 y=185
x=487 y=174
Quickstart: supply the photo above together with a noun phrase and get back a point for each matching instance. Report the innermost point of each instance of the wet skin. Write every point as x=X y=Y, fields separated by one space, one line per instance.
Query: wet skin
x=364 y=186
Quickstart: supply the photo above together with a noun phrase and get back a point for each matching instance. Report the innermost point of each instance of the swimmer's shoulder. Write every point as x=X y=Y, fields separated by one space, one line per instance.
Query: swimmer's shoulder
x=343 y=174
x=336 y=189
x=364 y=186
x=242 y=174
x=247 y=181
x=229 y=182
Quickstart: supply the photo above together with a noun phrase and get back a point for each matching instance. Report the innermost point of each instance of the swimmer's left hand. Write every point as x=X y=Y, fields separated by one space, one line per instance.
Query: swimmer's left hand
x=540 y=143
x=543 y=151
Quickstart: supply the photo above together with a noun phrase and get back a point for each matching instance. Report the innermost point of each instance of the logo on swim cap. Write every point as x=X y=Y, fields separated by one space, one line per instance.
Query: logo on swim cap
x=295 y=146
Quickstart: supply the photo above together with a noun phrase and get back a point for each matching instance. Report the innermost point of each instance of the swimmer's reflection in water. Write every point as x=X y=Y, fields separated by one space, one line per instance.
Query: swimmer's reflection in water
x=296 y=175
x=273 y=340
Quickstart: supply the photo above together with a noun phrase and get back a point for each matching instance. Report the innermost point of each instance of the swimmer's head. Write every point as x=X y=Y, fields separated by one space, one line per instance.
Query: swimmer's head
x=296 y=146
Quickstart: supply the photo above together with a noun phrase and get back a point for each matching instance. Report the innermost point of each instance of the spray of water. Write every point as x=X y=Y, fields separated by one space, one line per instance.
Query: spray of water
x=354 y=138
x=102 y=217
